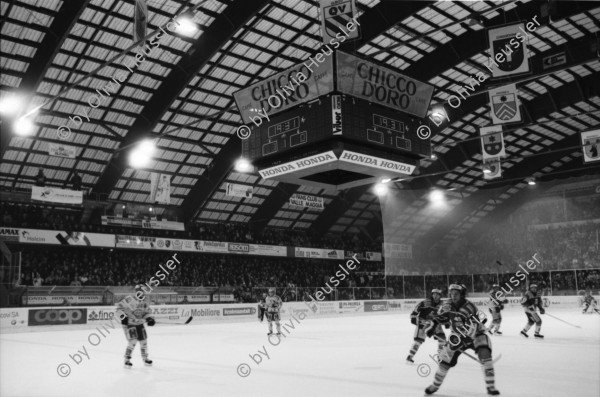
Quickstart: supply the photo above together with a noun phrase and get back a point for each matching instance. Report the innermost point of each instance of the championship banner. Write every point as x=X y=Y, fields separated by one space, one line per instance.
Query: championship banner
x=335 y=16
x=303 y=200
x=34 y=236
x=160 y=188
x=56 y=195
x=504 y=104
x=140 y=21
x=236 y=190
x=492 y=142
x=381 y=85
x=494 y=166
x=292 y=87
x=591 y=145
x=60 y=150
x=508 y=50
x=141 y=223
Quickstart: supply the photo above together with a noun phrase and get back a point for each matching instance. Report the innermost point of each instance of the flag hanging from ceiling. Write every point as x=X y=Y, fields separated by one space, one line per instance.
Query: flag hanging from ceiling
x=591 y=145
x=336 y=18
x=508 y=50
x=160 y=188
x=140 y=21
x=493 y=166
x=492 y=142
x=504 y=104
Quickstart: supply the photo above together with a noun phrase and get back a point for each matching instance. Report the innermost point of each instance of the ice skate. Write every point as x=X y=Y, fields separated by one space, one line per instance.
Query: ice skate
x=498 y=333
x=538 y=336
x=491 y=391
x=270 y=333
x=524 y=334
x=431 y=389
x=147 y=362
x=409 y=360
x=128 y=363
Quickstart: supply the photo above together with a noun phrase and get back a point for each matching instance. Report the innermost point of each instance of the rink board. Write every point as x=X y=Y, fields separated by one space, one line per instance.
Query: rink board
x=41 y=318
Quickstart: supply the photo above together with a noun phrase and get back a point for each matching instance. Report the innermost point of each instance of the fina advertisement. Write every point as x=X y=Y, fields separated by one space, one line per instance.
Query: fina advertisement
x=378 y=84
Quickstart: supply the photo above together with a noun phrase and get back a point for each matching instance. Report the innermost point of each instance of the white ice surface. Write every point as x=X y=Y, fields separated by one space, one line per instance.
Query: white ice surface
x=349 y=356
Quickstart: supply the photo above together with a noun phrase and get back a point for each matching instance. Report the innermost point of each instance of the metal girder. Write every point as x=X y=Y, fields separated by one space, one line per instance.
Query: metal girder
x=212 y=40
x=56 y=34
x=578 y=90
x=271 y=205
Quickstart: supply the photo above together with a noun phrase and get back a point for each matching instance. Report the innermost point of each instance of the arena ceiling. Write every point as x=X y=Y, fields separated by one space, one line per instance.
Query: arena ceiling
x=182 y=95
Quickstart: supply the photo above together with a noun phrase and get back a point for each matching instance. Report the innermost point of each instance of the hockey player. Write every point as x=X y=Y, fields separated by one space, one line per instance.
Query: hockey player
x=133 y=312
x=273 y=303
x=262 y=307
x=588 y=300
x=496 y=307
x=422 y=316
x=467 y=332
x=530 y=302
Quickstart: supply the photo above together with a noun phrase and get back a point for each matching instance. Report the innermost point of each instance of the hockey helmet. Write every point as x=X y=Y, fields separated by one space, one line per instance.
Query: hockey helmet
x=495 y=286
x=533 y=286
x=461 y=288
x=271 y=291
x=436 y=291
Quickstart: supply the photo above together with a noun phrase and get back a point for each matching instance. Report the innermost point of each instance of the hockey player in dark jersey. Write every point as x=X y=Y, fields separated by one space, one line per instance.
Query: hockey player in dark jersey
x=588 y=300
x=262 y=307
x=496 y=308
x=273 y=304
x=530 y=302
x=133 y=312
x=422 y=316
x=467 y=332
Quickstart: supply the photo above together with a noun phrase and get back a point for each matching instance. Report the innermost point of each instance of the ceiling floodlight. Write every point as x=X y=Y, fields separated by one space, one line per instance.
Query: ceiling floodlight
x=141 y=156
x=385 y=180
x=530 y=181
x=437 y=197
x=243 y=165
x=380 y=189
x=186 y=26
x=10 y=105
x=487 y=169
x=23 y=126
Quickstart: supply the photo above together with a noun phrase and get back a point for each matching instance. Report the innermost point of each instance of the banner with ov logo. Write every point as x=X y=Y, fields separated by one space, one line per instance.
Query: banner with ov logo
x=335 y=14
x=504 y=104
x=492 y=142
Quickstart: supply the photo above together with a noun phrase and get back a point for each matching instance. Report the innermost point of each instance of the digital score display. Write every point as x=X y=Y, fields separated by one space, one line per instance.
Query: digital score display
x=382 y=127
x=288 y=131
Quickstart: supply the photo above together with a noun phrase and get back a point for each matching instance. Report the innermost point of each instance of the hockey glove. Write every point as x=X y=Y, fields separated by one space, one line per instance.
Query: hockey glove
x=542 y=311
x=429 y=328
x=125 y=320
x=150 y=321
x=413 y=320
x=505 y=301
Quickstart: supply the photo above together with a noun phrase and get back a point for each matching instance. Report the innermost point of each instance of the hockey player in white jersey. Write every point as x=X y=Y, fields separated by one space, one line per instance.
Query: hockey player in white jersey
x=273 y=304
x=133 y=312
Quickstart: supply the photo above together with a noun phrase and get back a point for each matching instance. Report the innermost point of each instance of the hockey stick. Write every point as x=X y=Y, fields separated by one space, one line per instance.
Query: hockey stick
x=467 y=354
x=174 y=322
x=566 y=322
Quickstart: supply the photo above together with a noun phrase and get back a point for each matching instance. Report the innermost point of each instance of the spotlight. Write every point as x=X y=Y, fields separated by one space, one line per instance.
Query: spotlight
x=438 y=113
x=385 y=180
x=23 y=126
x=141 y=156
x=186 y=26
x=437 y=197
x=380 y=189
x=10 y=105
x=150 y=209
x=243 y=165
x=530 y=181
x=433 y=156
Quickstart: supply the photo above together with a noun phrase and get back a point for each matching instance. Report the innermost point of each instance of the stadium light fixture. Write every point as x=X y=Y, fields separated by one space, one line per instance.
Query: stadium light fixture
x=437 y=197
x=243 y=165
x=380 y=189
x=385 y=180
x=141 y=156
x=10 y=105
x=531 y=181
x=23 y=126
x=187 y=26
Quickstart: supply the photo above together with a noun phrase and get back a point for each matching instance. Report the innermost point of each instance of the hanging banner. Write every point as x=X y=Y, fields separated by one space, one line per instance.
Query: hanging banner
x=377 y=162
x=591 y=145
x=494 y=167
x=492 y=142
x=508 y=50
x=336 y=18
x=397 y=251
x=60 y=150
x=56 y=195
x=296 y=85
x=504 y=104
x=378 y=84
x=303 y=200
x=140 y=21
x=160 y=188
x=236 y=190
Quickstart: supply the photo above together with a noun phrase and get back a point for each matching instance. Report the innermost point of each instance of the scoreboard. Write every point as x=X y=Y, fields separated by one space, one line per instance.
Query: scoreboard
x=336 y=117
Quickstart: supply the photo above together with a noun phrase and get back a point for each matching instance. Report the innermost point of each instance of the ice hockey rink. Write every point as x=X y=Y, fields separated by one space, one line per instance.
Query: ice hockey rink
x=349 y=356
